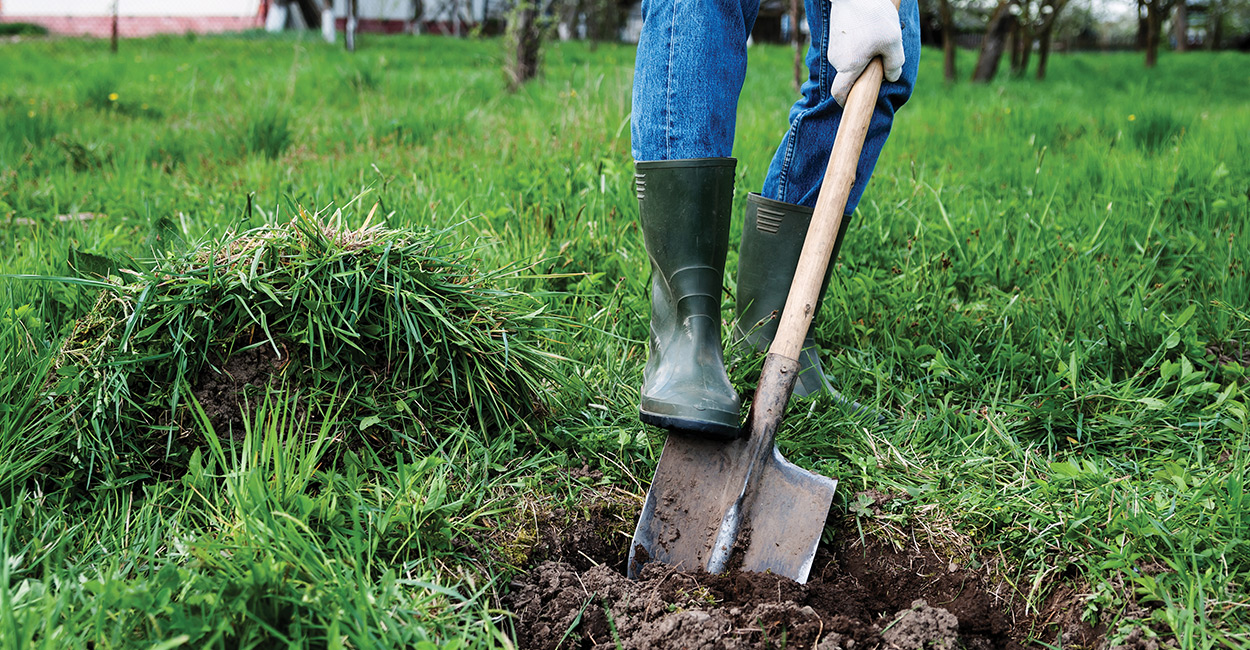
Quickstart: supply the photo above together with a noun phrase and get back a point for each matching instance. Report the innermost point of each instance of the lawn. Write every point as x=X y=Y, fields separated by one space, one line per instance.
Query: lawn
x=1045 y=288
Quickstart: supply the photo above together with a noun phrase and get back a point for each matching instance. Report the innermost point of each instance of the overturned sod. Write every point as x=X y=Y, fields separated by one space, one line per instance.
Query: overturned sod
x=399 y=325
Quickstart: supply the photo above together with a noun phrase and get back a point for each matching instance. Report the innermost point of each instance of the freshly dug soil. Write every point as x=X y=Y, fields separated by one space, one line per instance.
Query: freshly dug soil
x=225 y=394
x=863 y=594
x=558 y=608
x=858 y=597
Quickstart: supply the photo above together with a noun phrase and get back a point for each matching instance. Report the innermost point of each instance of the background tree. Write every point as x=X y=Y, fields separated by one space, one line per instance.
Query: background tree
x=946 y=18
x=1220 y=23
x=1018 y=27
x=1047 y=20
x=527 y=27
x=1034 y=30
x=1215 y=24
x=942 y=22
x=1152 y=14
x=569 y=15
x=113 y=32
x=349 y=28
x=1021 y=34
x=594 y=20
x=1180 y=26
x=1002 y=24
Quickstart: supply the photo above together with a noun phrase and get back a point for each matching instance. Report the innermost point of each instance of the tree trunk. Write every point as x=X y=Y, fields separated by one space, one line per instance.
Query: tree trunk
x=1043 y=50
x=1013 y=49
x=603 y=21
x=948 y=39
x=526 y=36
x=1180 y=26
x=1215 y=28
x=113 y=36
x=1025 y=44
x=570 y=13
x=327 y=20
x=1000 y=25
x=349 y=31
x=1153 y=26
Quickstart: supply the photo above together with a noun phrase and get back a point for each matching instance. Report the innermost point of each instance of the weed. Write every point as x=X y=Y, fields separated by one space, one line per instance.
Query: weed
x=269 y=132
x=82 y=157
x=1155 y=128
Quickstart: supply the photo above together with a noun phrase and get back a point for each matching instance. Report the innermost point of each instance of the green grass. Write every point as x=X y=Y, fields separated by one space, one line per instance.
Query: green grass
x=1033 y=287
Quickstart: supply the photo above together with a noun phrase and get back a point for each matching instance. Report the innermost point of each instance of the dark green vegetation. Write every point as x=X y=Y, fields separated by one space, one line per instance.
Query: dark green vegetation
x=22 y=29
x=1046 y=287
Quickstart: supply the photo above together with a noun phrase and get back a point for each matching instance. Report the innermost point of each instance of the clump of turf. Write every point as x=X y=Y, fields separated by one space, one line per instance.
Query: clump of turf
x=396 y=333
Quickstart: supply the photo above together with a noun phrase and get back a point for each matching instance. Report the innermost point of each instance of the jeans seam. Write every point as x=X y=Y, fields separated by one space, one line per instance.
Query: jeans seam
x=823 y=75
x=668 y=84
x=783 y=176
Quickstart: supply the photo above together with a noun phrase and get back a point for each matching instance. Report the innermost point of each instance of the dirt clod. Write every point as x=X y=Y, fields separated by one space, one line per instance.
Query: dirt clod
x=923 y=627
x=595 y=535
x=864 y=593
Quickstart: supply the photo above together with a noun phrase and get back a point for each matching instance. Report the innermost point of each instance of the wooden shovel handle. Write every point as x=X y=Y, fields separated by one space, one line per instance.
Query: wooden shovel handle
x=835 y=190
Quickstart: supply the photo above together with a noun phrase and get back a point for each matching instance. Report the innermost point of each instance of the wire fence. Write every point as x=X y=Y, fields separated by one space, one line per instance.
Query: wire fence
x=98 y=26
x=134 y=18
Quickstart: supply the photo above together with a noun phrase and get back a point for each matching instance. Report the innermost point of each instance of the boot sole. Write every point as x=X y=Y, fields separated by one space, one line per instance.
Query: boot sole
x=701 y=428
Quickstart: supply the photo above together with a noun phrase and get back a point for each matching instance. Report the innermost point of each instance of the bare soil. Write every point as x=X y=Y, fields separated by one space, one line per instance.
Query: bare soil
x=226 y=391
x=863 y=594
x=1236 y=352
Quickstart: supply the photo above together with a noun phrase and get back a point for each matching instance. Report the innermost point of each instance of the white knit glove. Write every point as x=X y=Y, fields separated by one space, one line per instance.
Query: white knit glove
x=858 y=31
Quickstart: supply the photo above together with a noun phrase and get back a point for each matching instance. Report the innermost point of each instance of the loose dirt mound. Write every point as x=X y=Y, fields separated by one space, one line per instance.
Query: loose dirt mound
x=858 y=597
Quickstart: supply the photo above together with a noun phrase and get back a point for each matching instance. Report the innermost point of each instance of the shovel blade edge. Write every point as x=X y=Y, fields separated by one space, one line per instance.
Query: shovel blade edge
x=784 y=519
x=695 y=483
x=698 y=481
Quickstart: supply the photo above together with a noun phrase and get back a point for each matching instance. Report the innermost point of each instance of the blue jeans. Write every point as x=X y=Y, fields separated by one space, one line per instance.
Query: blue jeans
x=692 y=59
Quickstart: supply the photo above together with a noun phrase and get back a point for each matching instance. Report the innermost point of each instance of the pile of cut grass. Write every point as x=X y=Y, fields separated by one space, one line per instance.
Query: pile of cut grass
x=396 y=333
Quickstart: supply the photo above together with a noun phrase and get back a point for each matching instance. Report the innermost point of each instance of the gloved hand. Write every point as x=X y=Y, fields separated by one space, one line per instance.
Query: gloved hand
x=858 y=31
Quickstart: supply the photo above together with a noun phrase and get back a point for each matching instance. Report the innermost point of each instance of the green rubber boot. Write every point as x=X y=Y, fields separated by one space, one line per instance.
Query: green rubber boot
x=684 y=207
x=772 y=239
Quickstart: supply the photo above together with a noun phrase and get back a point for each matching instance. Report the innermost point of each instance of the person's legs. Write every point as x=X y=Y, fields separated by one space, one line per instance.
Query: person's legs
x=684 y=207
x=692 y=59
x=799 y=164
x=690 y=67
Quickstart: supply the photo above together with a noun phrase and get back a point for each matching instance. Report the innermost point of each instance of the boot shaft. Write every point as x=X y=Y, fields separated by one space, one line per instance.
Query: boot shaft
x=684 y=207
x=773 y=233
